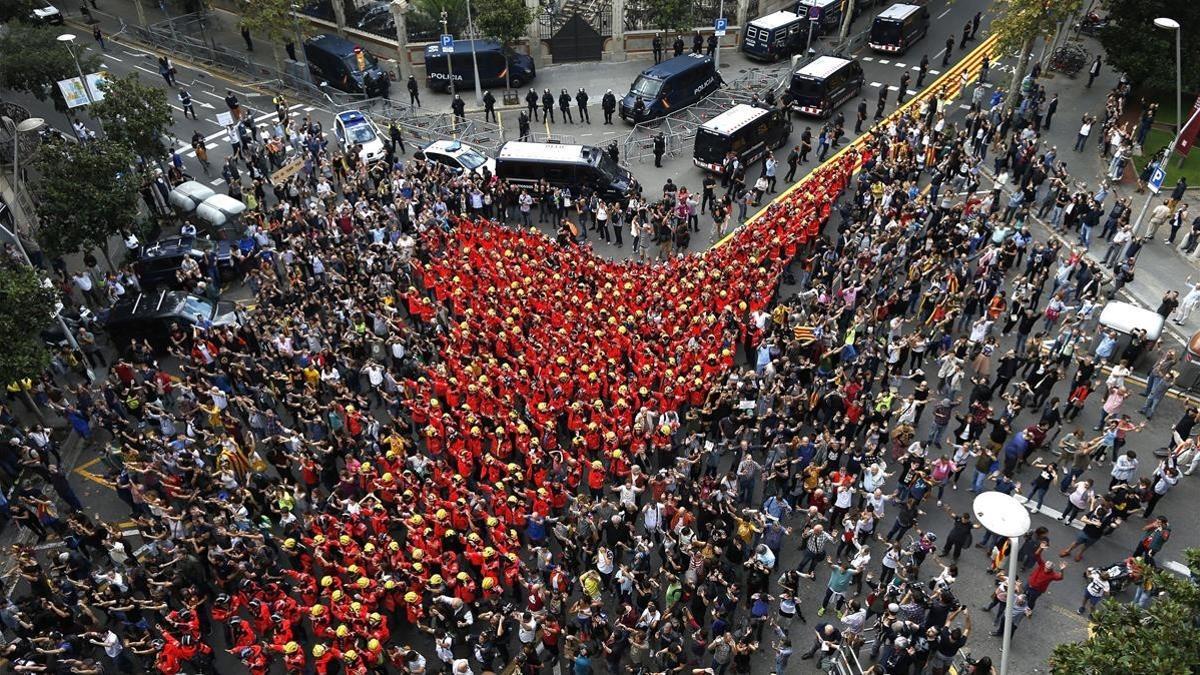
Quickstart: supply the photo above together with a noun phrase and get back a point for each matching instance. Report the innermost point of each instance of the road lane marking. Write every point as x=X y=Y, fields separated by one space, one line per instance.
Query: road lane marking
x=944 y=13
x=110 y=56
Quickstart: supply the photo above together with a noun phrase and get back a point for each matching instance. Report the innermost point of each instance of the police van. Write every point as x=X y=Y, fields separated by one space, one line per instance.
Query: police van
x=498 y=65
x=345 y=65
x=897 y=27
x=775 y=36
x=747 y=130
x=828 y=14
x=668 y=86
x=562 y=165
x=819 y=87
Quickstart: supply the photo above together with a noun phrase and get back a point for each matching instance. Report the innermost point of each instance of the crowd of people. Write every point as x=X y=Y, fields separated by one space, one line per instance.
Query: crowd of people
x=440 y=440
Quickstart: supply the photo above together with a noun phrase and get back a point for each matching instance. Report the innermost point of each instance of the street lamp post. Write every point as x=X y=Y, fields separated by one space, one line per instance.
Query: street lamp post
x=300 y=41
x=1003 y=515
x=474 y=60
x=67 y=39
x=30 y=125
x=1172 y=25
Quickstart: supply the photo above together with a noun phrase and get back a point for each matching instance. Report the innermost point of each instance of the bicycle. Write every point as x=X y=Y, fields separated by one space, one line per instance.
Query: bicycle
x=1069 y=59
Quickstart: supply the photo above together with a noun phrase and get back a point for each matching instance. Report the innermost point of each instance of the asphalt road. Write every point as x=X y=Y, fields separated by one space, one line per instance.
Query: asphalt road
x=1055 y=620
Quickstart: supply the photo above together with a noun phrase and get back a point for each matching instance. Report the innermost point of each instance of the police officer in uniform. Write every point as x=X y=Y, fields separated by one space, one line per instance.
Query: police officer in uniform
x=531 y=101
x=489 y=106
x=548 y=105
x=581 y=99
x=639 y=109
x=564 y=106
x=678 y=45
x=660 y=147
x=657 y=45
x=609 y=104
x=397 y=137
x=523 y=125
x=414 y=92
x=459 y=107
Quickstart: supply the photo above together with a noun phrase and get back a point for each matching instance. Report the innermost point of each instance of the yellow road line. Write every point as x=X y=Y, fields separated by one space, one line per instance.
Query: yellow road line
x=967 y=64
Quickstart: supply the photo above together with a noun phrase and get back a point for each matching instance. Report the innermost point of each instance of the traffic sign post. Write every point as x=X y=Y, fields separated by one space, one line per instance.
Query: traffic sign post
x=1155 y=184
x=1156 y=179
x=719 y=28
x=447 y=45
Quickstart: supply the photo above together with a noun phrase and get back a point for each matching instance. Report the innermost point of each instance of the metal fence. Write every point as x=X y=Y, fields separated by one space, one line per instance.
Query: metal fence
x=679 y=128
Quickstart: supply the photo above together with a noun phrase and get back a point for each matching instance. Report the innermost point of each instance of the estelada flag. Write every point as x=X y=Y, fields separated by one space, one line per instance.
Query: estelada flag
x=804 y=333
x=1188 y=135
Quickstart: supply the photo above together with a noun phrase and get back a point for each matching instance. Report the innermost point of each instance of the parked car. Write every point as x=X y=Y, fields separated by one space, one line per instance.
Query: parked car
x=46 y=14
x=458 y=156
x=150 y=315
x=353 y=128
x=159 y=262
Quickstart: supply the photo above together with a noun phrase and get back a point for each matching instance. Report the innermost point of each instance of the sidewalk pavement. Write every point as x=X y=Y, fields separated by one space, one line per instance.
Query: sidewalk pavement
x=1160 y=267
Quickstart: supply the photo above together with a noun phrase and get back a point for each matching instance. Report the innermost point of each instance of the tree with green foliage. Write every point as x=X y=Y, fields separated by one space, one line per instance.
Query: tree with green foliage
x=15 y=9
x=1019 y=23
x=1149 y=59
x=504 y=21
x=1124 y=638
x=271 y=20
x=26 y=308
x=33 y=61
x=135 y=115
x=427 y=15
x=673 y=15
x=86 y=194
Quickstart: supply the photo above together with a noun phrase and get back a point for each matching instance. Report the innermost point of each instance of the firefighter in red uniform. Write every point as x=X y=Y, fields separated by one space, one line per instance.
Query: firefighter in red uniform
x=293 y=656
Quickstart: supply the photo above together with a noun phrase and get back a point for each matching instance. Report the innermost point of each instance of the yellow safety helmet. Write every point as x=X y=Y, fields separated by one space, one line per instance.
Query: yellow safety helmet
x=410 y=596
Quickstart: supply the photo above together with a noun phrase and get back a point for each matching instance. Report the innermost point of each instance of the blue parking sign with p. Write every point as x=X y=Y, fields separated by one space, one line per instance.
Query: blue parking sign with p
x=720 y=26
x=1156 y=179
x=448 y=43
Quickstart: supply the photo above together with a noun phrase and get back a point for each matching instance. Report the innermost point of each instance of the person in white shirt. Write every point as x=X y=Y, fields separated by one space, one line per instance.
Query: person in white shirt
x=1095 y=591
x=1187 y=304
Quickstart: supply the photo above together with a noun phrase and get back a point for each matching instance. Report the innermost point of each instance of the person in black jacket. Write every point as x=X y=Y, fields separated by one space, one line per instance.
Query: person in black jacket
x=1051 y=108
x=697 y=43
x=414 y=92
x=547 y=105
x=609 y=105
x=523 y=125
x=657 y=46
x=531 y=101
x=678 y=45
x=489 y=106
x=581 y=100
x=660 y=147
x=564 y=106
x=459 y=107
